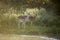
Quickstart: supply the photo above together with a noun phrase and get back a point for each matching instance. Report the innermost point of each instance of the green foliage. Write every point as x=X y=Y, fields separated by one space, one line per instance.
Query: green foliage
x=47 y=18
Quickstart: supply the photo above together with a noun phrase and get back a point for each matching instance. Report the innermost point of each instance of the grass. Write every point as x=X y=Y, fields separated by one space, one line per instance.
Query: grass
x=35 y=30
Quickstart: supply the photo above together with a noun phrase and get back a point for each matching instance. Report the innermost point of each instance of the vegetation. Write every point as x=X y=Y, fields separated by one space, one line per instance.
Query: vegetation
x=47 y=24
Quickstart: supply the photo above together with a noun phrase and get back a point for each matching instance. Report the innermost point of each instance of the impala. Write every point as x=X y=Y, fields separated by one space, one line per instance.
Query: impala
x=25 y=19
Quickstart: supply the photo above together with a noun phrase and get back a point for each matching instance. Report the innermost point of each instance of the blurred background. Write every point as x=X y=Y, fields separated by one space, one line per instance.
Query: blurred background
x=48 y=22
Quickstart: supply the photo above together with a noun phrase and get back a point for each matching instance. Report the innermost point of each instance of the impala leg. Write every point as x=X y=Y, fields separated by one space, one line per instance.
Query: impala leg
x=24 y=25
x=31 y=23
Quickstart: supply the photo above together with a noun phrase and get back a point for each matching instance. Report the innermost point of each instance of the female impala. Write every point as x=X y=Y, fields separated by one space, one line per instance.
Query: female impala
x=25 y=19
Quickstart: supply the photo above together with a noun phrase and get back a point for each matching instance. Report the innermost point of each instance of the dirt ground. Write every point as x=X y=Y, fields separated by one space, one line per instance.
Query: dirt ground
x=22 y=37
x=19 y=37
